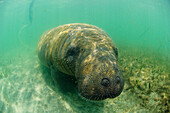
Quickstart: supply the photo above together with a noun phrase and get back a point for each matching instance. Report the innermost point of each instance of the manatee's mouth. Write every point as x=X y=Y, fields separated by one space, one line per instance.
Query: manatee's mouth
x=98 y=97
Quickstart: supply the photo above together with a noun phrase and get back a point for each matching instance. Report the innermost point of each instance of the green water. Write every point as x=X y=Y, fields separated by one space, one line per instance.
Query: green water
x=139 y=28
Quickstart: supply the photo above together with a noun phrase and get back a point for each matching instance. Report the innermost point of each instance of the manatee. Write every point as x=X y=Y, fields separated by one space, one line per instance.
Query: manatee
x=87 y=53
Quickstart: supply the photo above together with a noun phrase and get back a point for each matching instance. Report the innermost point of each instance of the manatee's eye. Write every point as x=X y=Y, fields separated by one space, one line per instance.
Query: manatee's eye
x=117 y=80
x=105 y=82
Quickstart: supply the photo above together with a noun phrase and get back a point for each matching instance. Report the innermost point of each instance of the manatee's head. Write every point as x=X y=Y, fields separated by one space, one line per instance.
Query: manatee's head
x=100 y=81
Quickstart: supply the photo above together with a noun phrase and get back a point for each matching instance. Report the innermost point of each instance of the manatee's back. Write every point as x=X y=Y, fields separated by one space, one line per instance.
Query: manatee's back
x=60 y=47
x=49 y=47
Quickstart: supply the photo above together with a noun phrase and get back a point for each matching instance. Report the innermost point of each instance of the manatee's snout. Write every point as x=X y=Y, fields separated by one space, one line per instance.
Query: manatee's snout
x=112 y=87
x=117 y=84
x=102 y=86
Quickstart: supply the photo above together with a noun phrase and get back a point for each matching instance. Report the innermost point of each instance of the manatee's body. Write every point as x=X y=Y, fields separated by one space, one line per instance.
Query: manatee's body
x=86 y=52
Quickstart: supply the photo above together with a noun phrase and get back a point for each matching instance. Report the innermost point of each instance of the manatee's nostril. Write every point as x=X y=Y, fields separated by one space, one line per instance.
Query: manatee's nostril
x=117 y=79
x=105 y=82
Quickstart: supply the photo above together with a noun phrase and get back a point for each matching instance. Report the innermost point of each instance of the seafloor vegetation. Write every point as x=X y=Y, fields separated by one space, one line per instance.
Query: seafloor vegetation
x=147 y=76
x=27 y=86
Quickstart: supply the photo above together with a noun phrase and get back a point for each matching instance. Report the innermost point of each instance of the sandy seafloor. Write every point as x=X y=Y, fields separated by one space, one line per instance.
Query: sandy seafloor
x=27 y=87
